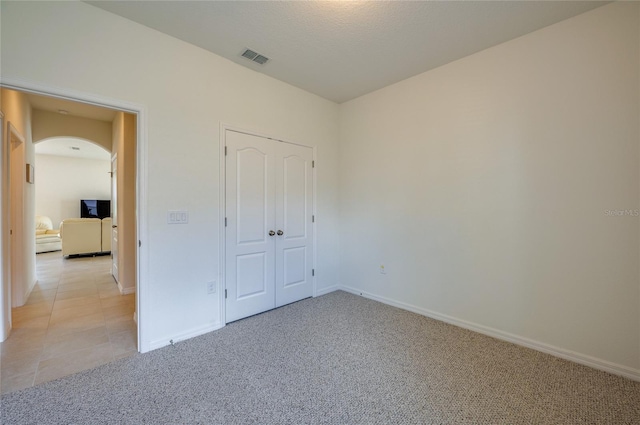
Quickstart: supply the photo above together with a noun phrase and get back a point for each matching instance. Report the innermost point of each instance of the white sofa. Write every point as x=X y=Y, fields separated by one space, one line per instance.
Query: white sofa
x=85 y=236
x=47 y=238
x=106 y=234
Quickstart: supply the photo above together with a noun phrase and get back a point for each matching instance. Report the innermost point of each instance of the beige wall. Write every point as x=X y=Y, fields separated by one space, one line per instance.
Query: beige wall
x=124 y=145
x=17 y=111
x=5 y=295
x=483 y=186
x=48 y=124
x=59 y=190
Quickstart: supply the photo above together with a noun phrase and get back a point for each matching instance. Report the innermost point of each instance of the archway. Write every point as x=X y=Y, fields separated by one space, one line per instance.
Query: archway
x=69 y=170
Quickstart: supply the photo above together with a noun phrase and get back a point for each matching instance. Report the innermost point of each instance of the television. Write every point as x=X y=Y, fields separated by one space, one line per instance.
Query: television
x=95 y=208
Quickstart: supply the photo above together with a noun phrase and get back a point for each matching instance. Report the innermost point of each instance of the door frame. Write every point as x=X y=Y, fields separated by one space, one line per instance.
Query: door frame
x=16 y=163
x=114 y=211
x=223 y=208
x=5 y=286
x=8 y=226
x=143 y=299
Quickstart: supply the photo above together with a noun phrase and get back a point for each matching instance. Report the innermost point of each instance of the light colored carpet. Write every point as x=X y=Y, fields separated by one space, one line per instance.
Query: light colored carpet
x=336 y=359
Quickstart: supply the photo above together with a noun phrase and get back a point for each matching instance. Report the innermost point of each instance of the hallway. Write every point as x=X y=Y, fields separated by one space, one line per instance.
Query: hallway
x=75 y=319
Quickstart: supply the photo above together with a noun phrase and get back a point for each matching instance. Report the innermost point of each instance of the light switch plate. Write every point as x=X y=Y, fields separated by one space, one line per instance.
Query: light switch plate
x=177 y=217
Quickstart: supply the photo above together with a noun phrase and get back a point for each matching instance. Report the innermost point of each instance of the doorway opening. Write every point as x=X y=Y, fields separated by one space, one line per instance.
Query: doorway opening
x=12 y=203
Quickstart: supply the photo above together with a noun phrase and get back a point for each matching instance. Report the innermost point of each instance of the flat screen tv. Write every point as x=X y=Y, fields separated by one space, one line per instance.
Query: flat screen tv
x=95 y=208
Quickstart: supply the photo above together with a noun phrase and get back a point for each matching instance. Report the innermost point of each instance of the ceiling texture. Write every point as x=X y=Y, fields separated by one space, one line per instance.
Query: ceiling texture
x=340 y=50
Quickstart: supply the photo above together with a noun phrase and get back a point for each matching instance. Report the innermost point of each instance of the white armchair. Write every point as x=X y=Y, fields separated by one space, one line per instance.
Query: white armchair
x=47 y=238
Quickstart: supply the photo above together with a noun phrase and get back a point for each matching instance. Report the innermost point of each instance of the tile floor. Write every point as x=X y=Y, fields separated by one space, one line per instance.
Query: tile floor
x=75 y=319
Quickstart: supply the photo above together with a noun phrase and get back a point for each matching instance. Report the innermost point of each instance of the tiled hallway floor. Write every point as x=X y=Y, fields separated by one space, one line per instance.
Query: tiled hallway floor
x=75 y=319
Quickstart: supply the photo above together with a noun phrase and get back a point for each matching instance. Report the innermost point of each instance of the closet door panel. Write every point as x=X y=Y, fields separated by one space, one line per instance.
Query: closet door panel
x=294 y=207
x=250 y=213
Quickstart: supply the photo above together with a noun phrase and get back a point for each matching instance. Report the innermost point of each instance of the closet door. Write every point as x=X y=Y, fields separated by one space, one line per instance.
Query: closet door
x=294 y=243
x=269 y=235
x=250 y=213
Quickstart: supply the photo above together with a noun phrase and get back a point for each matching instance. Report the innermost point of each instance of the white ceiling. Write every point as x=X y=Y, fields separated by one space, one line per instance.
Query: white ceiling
x=61 y=146
x=343 y=49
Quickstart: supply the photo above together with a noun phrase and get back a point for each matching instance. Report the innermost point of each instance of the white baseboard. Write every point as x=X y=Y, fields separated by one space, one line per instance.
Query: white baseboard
x=209 y=328
x=126 y=291
x=185 y=335
x=616 y=369
x=325 y=291
x=30 y=289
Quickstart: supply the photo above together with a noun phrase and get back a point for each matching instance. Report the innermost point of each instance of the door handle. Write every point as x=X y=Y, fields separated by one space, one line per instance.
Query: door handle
x=280 y=233
x=114 y=226
x=271 y=233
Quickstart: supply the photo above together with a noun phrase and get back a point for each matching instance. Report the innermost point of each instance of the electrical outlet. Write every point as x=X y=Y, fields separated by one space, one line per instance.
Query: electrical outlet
x=211 y=287
x=382 y=269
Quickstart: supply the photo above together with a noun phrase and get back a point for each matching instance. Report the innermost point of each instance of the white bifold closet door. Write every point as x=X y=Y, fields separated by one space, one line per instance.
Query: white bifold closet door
x=269 y=234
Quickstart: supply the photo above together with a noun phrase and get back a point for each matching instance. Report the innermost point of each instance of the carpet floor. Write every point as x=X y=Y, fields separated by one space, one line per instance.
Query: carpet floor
x=335 y=359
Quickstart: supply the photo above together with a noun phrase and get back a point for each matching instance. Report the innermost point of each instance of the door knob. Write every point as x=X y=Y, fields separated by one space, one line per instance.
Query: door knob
x=114 y=226
x=280 y=233
x=271 y=233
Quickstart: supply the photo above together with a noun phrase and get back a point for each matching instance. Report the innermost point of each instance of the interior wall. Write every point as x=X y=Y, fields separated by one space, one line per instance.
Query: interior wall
x=501 y=191
x=17 y=111
x=124 y=145
x=17 y=177
x=187 y=93
x=47 y=124
x=5 y=295
x=59 y=188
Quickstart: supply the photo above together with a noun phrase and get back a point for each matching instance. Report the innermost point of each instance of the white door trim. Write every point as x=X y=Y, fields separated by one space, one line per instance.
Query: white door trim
x=114 y=221
x=143 y=299
x=19 y=289
x=5 y=292
x=223 y=196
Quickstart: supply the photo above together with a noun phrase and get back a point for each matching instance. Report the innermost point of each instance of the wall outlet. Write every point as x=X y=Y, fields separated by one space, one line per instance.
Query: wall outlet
x=211 y=287
x=382 y=269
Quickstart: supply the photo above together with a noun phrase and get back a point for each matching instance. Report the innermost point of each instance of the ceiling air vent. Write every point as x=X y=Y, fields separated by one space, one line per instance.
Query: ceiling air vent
x=254 y=57
x=261 y=59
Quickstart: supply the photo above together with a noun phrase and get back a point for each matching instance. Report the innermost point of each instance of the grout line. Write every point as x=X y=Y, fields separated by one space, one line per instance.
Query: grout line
x=89 y=268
